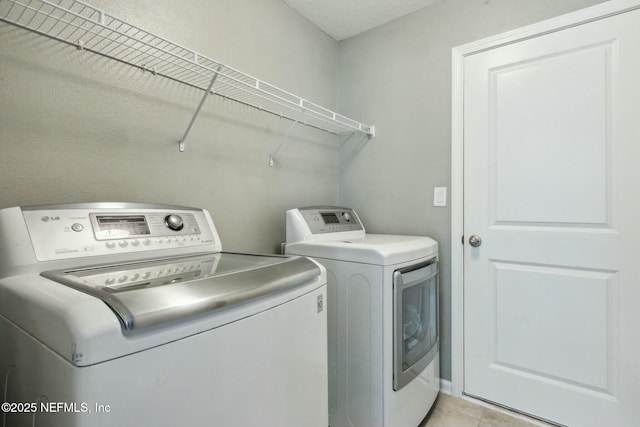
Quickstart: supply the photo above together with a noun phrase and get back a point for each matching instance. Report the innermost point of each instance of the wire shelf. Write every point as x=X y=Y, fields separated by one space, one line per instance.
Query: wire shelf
x=91 y=29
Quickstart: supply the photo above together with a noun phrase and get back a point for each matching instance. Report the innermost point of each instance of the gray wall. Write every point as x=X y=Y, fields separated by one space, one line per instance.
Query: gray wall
x=398 y=77
x=78 y=127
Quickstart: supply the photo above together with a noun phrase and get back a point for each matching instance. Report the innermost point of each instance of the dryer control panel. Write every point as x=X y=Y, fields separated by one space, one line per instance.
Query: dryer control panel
x=315 y=221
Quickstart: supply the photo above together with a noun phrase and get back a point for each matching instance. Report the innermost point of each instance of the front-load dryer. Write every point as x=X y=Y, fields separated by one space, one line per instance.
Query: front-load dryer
x=383 y=327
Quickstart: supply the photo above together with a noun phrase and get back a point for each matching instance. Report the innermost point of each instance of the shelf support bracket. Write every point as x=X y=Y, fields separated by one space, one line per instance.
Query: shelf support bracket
x=272 y=157
x=204 y=97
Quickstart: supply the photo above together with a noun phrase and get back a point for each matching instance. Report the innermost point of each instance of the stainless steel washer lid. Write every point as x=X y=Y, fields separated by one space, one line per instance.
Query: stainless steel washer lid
x=156 y=292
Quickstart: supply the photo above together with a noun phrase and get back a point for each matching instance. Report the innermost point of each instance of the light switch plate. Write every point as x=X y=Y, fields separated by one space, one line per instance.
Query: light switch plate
x=440 y=196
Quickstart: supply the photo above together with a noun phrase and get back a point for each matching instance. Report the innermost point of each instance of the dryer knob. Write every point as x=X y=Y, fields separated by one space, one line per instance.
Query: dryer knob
x=174 y=222
x=346 y=216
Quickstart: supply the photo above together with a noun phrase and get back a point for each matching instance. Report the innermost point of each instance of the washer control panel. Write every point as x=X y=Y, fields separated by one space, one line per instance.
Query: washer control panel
x=115 y=226
x=70 y=231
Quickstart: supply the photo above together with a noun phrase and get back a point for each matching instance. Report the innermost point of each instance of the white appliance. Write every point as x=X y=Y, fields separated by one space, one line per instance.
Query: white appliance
x=382 y=317
x=130 y=315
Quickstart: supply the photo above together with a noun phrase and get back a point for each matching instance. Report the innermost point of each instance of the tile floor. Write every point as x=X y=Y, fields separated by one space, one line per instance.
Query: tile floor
x=454 y=412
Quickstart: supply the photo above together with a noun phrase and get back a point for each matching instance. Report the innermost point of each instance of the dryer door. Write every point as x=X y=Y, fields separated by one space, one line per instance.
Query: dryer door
x=415 y=329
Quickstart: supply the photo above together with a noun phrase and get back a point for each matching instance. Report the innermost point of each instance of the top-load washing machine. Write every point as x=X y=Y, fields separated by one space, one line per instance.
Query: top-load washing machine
x=117 y=314
x=382 y=317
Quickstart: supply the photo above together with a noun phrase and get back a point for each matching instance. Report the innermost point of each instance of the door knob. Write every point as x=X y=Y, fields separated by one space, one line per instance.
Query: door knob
x=475 y=241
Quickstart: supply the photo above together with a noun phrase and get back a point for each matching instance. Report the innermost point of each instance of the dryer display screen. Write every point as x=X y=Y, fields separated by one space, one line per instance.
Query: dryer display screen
x=330 y=218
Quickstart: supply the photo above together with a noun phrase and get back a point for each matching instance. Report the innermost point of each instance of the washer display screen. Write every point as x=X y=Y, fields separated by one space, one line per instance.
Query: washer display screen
x=133 y=225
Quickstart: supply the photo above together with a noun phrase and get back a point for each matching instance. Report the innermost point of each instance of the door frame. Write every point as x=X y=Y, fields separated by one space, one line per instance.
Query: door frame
x=593 y=13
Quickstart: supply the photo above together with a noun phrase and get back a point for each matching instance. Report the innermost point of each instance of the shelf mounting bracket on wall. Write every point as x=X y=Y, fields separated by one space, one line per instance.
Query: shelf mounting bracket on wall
x=274 y=153
x=204 y=97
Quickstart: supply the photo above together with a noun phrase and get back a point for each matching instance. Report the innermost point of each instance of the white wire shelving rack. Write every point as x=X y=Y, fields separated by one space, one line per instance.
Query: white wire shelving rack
x=88 y=28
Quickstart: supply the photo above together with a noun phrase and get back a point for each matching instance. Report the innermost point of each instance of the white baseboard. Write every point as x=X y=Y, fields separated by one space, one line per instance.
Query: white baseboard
x=445 y=386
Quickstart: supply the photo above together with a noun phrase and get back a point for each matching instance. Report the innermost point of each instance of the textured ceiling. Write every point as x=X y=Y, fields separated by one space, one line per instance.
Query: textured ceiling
x=342 y=19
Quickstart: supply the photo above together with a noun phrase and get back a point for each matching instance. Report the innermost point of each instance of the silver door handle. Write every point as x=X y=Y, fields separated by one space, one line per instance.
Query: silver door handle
x=475 y=241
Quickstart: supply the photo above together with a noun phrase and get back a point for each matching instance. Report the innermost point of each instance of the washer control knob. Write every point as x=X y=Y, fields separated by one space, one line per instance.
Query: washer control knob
x=174 y=222
x=346 y=216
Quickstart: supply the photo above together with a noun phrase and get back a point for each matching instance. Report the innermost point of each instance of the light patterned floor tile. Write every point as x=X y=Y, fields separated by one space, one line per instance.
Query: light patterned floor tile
x=460 y=405
x=450 y=411
x=496 y=419
x=447 y=418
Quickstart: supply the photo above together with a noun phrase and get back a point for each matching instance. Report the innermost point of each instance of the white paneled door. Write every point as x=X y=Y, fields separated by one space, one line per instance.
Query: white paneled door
x=552 y=193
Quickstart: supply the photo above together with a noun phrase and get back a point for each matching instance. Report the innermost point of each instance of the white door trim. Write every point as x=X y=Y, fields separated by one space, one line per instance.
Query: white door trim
x=593 y=13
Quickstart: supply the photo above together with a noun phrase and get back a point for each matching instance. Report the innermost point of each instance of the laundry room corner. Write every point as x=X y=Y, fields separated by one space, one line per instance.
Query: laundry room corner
x=349 y=213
